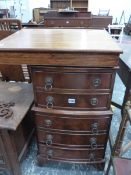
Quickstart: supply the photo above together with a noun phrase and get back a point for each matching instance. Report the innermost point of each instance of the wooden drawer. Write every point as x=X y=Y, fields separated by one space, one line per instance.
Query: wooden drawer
x=50 y=79
x=70 y=154
x=88 y=123
x=72 y=139
x=67 y=22
x=83 y=101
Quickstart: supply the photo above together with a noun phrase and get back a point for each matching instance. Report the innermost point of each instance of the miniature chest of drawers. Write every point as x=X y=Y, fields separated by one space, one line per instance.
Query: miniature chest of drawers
x=72 y=112
x=73 y=73
x=73 y=91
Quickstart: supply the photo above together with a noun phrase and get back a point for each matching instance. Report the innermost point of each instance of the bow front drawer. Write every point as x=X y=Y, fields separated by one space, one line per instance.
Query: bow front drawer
x=50 y=79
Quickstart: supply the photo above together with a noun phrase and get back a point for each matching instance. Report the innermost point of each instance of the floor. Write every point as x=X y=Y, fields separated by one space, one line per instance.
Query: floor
x=29 y=165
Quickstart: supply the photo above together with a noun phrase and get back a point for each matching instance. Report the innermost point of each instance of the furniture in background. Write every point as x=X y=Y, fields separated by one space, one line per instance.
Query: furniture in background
x=67 y=18
x=116 y=31
x=4 y=13
x=9 y=26
x=38 y=14
x=102 y=22
x=80 y=5
x=74 y=82
x=127 y=28
x=16 y=125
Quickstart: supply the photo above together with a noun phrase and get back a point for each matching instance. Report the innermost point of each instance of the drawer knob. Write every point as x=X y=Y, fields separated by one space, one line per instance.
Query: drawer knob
x=94 y=101
x=49 y=153
x=48 y=122
x=49 y=138
x=96 y=82
x=49 y=101
x=94 y=128
x=93 y=143
x=48 y=83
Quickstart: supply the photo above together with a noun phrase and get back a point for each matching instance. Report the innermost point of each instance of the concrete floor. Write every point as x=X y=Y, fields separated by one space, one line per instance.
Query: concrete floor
x=29 y=165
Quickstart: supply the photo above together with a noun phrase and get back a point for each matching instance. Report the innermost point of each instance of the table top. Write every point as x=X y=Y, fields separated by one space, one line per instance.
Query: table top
x=67 y=40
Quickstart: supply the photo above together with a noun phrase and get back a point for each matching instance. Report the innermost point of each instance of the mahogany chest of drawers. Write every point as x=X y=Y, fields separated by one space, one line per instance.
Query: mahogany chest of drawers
x=72 y=112
x=73 y=73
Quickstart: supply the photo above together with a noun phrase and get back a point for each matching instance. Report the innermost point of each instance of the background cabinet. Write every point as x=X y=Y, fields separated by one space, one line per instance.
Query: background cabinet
x=80 y=5
x=59 y=4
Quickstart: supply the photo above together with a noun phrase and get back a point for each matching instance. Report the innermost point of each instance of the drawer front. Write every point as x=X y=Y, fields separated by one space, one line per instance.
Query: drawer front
x=69 y=154
x=68 y=23
x=75 y=101
x=90 y=124
x=50 y=79
x=72 y=139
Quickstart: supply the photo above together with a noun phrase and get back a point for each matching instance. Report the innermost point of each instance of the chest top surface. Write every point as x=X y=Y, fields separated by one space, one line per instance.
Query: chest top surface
x=67 y=40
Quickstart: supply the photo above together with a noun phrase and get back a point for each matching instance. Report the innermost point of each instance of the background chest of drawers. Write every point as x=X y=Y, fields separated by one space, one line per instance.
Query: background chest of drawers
x=72 y=113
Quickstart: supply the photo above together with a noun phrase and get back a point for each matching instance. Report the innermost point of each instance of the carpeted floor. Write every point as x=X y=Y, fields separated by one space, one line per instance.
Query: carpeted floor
x=29 y=165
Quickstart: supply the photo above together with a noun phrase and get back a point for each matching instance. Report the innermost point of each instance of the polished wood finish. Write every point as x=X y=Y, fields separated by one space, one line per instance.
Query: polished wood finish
x=75 y=83
x=82 y=101
x=78 y=53
x=68 y=78
x=83 y=86
x=54 y=49
x=67 y=154
x=71 y=139
x=15 y=131
x=81 y=121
